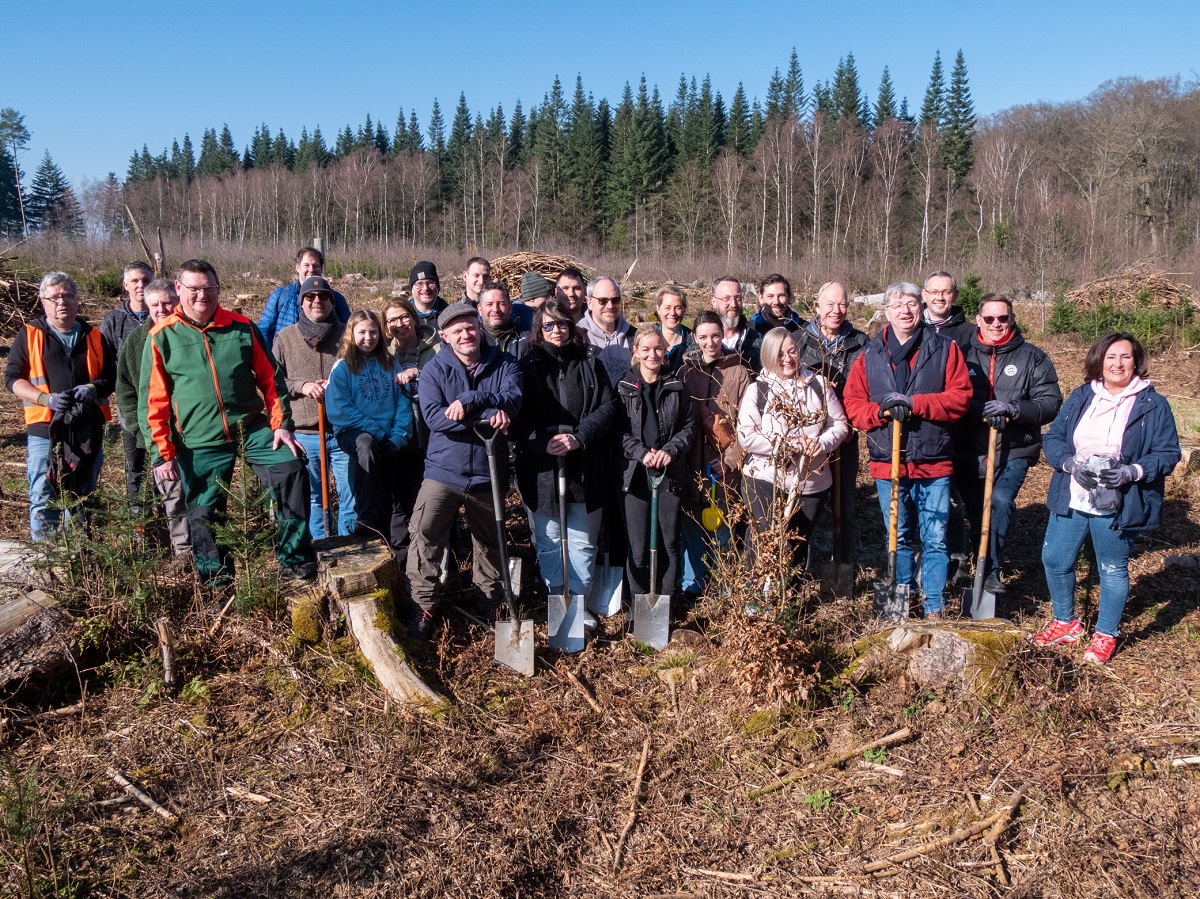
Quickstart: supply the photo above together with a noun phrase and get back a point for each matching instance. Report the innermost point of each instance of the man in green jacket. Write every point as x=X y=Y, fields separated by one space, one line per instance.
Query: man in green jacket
x=211 y=391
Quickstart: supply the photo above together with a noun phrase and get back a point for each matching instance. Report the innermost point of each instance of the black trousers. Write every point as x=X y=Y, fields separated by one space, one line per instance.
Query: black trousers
x=135 y=466
x=765 y=503
x=375 y=477
x=637 y=532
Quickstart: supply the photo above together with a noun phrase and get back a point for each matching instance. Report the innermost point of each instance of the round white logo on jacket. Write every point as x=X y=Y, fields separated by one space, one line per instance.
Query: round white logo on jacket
x=1010 y=369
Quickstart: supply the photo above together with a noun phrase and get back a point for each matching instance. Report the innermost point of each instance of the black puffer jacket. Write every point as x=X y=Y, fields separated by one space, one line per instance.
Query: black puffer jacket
x=564 y=389
x=676 y=425
x=835 y=366
x=1022 y=375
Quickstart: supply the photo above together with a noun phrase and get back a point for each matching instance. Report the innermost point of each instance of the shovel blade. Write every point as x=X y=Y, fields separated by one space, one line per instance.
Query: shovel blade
x=565 y=623
x=605 y=597
x=890 y=601
x=837 y=580
x=652 y=619
x=514 y=645
x=980 y=608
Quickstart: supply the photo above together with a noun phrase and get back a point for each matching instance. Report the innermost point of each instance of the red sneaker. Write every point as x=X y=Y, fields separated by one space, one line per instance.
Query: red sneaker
x=1058 y=632
x=1101 y=650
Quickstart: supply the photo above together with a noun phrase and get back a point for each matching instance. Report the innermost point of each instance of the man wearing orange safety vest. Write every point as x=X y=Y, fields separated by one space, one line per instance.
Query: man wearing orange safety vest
x=63 y=370
x=210 y=392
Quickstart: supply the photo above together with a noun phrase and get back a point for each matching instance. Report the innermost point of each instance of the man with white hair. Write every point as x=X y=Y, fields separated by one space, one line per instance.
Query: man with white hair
x=913 y=377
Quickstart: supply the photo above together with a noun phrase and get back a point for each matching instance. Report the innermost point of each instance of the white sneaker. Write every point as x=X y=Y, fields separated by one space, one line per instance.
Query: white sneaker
x=589 y=621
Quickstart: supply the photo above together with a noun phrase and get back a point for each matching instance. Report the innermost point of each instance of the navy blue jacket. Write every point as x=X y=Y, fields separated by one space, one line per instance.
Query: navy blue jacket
x=764 y=326
x=924 y=440
x=456 y=456
x=1150 y=441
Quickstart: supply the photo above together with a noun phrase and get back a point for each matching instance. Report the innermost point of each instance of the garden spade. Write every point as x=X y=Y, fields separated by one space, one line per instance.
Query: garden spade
x=564 y=611
x=838 y=577
x=890 y=599
x=514 y=635
x=980 y=603
x=652 y=611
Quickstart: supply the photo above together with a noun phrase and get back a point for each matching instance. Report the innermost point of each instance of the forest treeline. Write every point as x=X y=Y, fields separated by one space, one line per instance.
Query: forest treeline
x=821 y=173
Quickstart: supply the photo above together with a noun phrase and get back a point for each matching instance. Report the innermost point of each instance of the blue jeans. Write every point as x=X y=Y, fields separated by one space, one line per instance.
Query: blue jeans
x=1005 y=486
x=924 y=507
x=339 y=463
x=582 y=530
x=42 y=492
x=695 y=544
x=1064 y=537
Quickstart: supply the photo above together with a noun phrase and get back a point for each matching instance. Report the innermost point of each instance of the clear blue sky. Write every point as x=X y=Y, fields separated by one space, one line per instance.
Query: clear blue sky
x=100 y=79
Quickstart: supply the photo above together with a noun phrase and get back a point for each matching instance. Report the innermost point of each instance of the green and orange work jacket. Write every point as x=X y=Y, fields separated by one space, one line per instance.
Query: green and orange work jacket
x=207 y=382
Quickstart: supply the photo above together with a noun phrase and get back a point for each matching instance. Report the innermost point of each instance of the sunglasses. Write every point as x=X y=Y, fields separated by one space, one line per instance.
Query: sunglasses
x=550 y=327
x=991 y=319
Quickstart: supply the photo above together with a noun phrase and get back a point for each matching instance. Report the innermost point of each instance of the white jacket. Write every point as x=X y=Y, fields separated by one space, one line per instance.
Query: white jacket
x=807 y=396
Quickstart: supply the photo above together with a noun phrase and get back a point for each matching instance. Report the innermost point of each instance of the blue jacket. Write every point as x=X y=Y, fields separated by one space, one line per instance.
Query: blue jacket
x=764 y=326
x=456 y=456
x=369 y=401
x=1150 y=441
x=283 y=309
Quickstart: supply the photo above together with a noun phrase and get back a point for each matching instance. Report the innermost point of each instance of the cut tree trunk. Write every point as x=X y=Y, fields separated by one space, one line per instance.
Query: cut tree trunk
x=36 y=637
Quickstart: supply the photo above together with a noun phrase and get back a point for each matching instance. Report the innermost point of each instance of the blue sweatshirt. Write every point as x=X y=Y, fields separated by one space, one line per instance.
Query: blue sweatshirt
x=370 y=401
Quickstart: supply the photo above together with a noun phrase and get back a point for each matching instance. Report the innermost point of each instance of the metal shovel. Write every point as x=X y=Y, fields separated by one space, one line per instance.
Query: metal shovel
x=564 y=611
x=891 y=600
x=652 y=611
x=980 y=603
x=514 y=635
x=837 y=580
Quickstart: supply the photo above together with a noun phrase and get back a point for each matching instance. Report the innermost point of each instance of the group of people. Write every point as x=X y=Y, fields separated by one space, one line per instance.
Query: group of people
x=401 y=408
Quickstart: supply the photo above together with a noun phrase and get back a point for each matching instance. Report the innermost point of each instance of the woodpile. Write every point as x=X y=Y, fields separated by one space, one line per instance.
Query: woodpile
x=508 y=269
x=18 y=298
x=1126 y=288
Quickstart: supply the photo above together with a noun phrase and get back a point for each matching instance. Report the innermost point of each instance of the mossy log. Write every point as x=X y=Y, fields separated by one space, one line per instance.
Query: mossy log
x=36 y=637
x=368 y=620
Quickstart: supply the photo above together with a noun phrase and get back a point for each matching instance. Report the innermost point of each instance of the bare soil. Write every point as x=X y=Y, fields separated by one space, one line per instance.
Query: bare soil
x=291 y=774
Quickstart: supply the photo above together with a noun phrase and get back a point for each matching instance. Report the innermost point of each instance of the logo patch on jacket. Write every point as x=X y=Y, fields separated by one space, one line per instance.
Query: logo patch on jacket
x=1010 y=369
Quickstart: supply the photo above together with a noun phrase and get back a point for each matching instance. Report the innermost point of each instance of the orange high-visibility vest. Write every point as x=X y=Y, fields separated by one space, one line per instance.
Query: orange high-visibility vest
x=35 y=342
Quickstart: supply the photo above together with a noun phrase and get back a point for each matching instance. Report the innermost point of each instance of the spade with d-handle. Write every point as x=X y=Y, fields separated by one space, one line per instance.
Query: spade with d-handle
x=564 y=611
x=514 y=635
x=980 y=603
x=652 y=611
x=891 y=600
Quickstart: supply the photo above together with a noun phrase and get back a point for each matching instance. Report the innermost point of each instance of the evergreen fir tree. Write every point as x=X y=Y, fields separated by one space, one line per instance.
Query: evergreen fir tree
x=775 y=97
x=229 y=152
x=345 y=143
x=604 y=131
x=458 y=151
x=304 y=153
x=516 y=135
x=619 y=195
x=885 y=101
x=846 y=98
x=400 y=136
x=737 y=131
x=437 y=132
x=549 y=137
x=10 y=206
x=382 y=142
x=958 y=124
x=210 y=154
x=582 y=155
x=758 y=123
x=793 y=87
x=187 y=159
x=933 y=108
x=823 y=98
x=51 y=204
x=904 y=115
x=416 y=142
x=320 y=152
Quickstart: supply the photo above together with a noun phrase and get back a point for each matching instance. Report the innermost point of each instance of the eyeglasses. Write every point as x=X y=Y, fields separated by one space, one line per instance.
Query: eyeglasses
x=940 y=293
x=990 y=319
x=202 y=289
x=733 y=298
x=61 y=298
x=400 y=320
x=896 y=307
x=552 y=326
x=608 y=301
x=317 y=298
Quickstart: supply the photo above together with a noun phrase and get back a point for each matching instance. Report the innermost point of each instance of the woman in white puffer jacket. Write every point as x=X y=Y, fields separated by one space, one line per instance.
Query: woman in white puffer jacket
x=788 y=424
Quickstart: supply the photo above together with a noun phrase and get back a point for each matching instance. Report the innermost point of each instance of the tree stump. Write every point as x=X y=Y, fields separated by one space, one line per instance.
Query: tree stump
x=360 y=577
x=36 y=637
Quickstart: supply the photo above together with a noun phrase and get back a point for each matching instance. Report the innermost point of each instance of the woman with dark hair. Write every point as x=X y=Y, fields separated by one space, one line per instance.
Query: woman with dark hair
x=1111 y=448
x=657 y=429
x=372 y=419
x=715 y=380
x=670 y=305
x=567 y=413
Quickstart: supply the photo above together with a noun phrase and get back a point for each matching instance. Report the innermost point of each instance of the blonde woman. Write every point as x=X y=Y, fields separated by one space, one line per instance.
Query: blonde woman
x=788 y=424
x=657 y=429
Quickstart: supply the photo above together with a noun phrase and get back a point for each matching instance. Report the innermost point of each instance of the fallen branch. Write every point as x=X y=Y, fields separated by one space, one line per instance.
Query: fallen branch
x=995 y=823
x=897 y=736
x=1185 y=761
x=633 y=804
x=138 y=794
x=242 y=793
x=212 y=631
x=587 y=694
x=882 y=769
x=47 y=715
